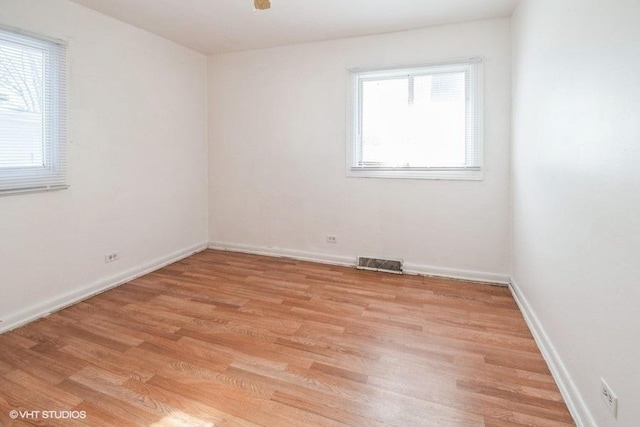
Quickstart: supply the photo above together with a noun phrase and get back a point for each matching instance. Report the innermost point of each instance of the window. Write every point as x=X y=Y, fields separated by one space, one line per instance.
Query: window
x=33 y=154
x=420 y=122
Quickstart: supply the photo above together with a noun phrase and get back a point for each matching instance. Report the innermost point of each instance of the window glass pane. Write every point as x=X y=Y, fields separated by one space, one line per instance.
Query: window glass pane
x=384 y=120
x=33 y=151
x=21 y=106
x=415 y=121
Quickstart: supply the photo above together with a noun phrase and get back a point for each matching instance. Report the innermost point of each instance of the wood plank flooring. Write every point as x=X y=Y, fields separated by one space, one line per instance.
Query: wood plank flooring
x=232 y=339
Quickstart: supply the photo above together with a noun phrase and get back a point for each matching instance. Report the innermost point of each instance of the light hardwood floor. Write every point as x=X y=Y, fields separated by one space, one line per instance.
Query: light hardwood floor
x=232 y=339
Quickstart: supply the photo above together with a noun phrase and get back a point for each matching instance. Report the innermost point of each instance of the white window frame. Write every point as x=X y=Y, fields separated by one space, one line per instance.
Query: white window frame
x=474 y=122
x=53 y=175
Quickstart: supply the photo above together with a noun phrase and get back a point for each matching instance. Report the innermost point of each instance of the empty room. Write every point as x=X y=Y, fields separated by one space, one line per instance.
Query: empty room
x=320 y=213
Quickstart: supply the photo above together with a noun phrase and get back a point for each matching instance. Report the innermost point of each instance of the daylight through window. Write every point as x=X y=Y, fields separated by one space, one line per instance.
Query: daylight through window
x=422 y=122
x=32 y=113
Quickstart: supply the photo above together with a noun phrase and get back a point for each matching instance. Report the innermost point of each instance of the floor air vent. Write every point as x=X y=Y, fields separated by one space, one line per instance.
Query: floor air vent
x=379 y=264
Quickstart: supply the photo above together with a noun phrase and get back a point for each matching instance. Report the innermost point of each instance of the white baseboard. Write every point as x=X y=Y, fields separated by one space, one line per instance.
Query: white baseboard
x=37 y=311
x=576 y=404
x=350 y=261
x=285 y=253
x=451 y=273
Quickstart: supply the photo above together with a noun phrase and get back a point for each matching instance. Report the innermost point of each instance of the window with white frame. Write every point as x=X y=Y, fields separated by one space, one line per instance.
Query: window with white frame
x=33 y=154
x=418 y=122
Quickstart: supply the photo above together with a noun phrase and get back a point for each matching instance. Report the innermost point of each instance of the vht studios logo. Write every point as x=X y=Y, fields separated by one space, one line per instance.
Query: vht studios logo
x=48 y=415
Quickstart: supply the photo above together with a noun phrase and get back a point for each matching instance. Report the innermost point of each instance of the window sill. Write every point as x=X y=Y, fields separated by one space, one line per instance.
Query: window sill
x=32 y=190
x=452 y=175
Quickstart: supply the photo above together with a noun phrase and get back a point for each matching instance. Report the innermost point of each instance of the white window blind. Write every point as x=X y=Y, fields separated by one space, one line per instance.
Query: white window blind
x=422 y=122
x=33 y=135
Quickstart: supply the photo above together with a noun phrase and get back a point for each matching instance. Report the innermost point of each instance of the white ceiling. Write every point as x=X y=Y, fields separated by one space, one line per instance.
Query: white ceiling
x=216 y=26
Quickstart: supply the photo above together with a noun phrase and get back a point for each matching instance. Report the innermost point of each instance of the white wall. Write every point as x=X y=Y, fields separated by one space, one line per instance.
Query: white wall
x=576 y=192
x=277 y=125
x=138 y=163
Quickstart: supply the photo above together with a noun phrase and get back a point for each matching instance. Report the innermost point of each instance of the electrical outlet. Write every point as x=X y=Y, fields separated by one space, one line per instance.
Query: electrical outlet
x=609 y=398
x=332 y=239
x=113 y=256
